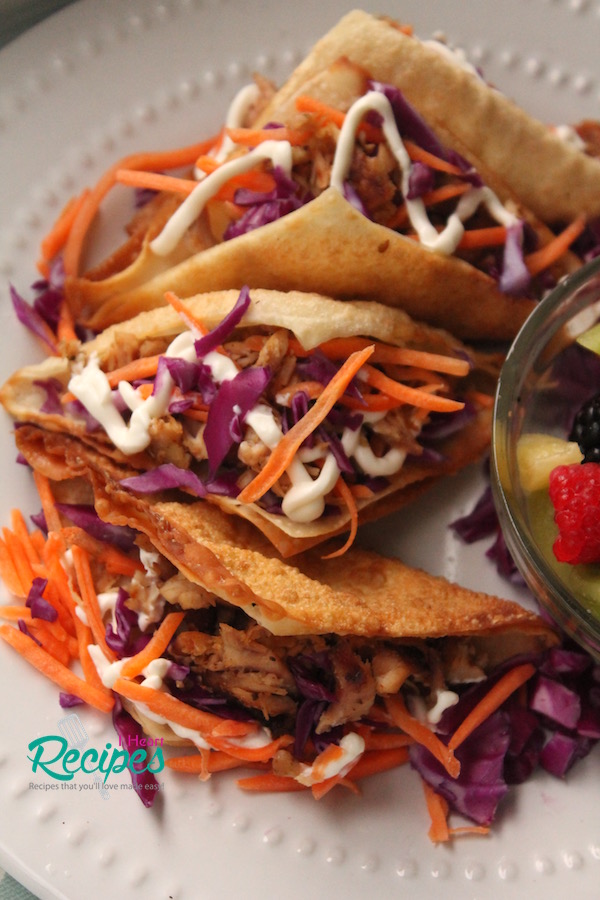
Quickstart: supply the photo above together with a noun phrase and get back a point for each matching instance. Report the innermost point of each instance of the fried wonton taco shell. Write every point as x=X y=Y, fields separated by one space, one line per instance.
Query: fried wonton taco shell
x=313 y=319
x=362 y=594
x=551 y=177
x=327 y=247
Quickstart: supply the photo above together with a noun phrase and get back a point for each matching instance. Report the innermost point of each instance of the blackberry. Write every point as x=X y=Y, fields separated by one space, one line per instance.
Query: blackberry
x=585 y=430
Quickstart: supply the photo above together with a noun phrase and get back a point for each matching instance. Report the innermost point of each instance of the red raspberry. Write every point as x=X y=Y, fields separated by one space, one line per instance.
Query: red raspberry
x=575 y=494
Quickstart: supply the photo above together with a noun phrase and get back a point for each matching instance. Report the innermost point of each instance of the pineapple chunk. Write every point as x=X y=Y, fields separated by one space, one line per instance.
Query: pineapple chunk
x=538 y=454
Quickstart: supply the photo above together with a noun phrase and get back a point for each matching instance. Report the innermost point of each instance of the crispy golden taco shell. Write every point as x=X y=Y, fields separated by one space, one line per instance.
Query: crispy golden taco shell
x=313 y=319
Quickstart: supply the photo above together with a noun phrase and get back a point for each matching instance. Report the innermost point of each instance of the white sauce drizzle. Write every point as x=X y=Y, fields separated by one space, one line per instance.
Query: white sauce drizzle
x=352 y=746
x=279 y=153
x=236 y=115
x=153 y=677
x=444 y=700
x=445 y=241
x=305 y=499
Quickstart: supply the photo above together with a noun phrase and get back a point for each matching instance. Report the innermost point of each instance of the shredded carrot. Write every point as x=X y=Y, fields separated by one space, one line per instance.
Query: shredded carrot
x=9 y=572
x=377 y=760
x=546 y=256
x=254 y=180
x=340 y=348
x=283 y=454
x=55 y=239
x=199 y=415
x=155 y=647
x=187 y=316
x=56 y=573
x=114 y=560
x=324 y=787
x=194 y=764
x=250 y=754
x=54 y=670
x=90 y=672
x=414 y=396
x=329 y=755
x=144 y=367
x=268 y=782
x=50 y=644
x=89 y=600
x=494 y=235
x=166 y=705
x=422 y=734
x=65 y=329
x=19 y=557
x=372 y=762
x=53 y=595
x=437 y=808
x=50 y=511
x=400 y=217
x=469 y=829
x=495 y=697
x=361 y=491
x=385 y=740
x=343 y=491
x=144 y=390
x=321 y=110
x=12 y=612
x=312 y=389
x=325 y=113
x=19 y=527
x=155 y=181
x=484 y=401
x=168 y=159
x=232 y=728
x=417 y=154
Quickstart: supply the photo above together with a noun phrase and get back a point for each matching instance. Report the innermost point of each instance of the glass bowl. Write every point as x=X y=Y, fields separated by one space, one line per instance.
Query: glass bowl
x=545 y=379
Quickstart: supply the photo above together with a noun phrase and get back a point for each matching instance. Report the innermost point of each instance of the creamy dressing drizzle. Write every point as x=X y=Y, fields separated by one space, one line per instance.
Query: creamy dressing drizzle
x=352 y=746
x=305 y=499
x=279 y=153
x=236 y=115
x=445 y=241
x=153 y=677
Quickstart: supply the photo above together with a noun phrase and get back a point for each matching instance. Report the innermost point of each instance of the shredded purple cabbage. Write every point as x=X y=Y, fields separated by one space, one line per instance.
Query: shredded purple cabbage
x=557 y=725
x=313 y=674
x=265 y=207
x=37 y=603
x=221 y=332
x=411 y=124
x=169 y=476
x=53 y=388
x=125 y=640
x=131 y=733
x=22 y=626
x=235 y=398
x=69 y=700
x=86 y=517
x=420 y=181
x=481 y=522
x=480 y=785
x=32 y=319
x=514 y=276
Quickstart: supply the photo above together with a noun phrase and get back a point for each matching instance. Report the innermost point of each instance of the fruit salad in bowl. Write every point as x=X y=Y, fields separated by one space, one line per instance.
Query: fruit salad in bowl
x=546 y=454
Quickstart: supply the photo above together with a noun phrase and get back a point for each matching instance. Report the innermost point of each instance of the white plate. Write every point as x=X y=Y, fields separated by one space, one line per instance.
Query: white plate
x=104 y=78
